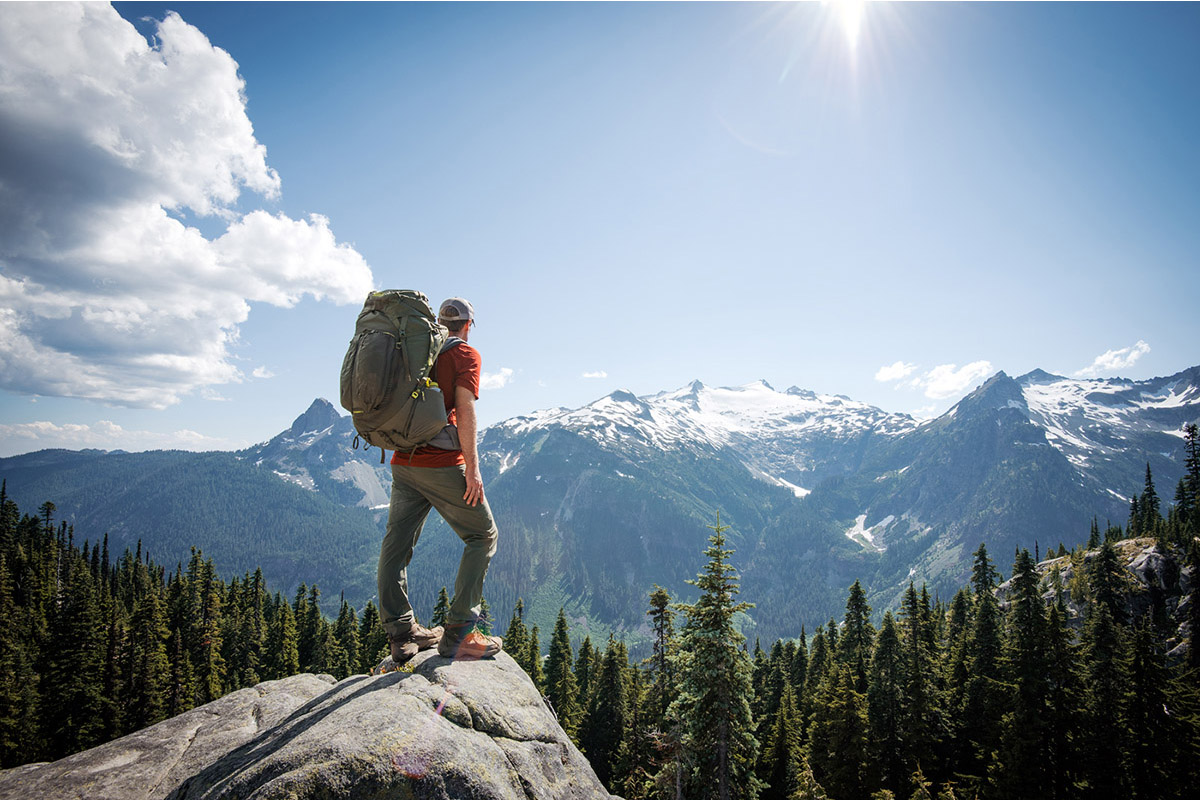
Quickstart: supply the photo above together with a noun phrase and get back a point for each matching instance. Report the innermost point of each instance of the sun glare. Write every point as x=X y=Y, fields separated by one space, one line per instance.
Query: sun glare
x=850 y=19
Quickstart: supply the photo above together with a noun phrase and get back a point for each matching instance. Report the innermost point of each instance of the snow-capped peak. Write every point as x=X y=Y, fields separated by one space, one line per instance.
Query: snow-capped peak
x=1091 y=418
x=753 y=416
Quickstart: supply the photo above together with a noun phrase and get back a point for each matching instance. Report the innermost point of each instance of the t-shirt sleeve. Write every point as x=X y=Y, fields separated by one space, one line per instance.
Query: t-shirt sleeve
x=467 y=367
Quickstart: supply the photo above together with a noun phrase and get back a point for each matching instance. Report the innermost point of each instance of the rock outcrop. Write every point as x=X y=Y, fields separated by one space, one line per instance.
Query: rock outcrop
x=474 y=730
x=1150 y=576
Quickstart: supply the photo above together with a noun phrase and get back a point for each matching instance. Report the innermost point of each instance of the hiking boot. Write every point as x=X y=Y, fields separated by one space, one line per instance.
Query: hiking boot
x=418 y=637
x=467 y=644
x=402 y=650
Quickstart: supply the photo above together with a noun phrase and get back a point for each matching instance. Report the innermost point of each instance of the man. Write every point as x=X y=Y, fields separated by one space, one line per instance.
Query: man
x=448 y=480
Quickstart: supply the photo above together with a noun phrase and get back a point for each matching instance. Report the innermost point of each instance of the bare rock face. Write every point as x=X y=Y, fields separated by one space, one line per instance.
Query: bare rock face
x=1150 y=575
x=468 y=730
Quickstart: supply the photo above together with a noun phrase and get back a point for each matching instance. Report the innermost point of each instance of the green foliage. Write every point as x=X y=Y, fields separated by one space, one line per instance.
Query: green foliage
x=715 y=685
x=603 y=727
x=837 y=742
x=561 y=686
x=93 y=648
x=976 y=698
x=440 y=609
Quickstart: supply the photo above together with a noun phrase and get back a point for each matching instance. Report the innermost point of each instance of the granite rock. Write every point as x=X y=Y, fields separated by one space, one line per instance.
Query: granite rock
x=468 y=730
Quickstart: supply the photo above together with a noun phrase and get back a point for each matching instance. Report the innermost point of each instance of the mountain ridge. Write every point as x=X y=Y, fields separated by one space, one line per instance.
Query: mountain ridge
x=600 y=502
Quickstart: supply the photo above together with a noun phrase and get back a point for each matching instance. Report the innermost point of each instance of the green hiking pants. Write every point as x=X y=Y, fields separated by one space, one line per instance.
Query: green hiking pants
x=414 y=491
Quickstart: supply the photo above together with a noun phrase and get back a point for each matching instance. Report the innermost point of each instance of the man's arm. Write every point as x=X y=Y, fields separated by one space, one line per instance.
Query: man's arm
x=464 y=411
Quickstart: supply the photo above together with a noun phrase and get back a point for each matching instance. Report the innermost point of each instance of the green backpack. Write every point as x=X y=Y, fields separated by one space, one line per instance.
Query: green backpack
x=386 y=381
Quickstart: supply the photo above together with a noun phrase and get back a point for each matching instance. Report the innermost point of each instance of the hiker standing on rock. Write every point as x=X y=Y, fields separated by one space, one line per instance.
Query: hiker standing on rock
x=444 y=476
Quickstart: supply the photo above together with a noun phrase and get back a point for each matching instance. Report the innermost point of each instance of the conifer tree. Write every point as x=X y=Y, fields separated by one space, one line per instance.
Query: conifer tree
x=1021 y=771
x=635 y=759
x=818 y=662
x=921 y=720
x=920 y=786
x=604 y=725
x=857 y=636
x=148 y=664
x=585 y=672
x=328 y=654
x=783 y=755
x=533 y=659
x=181 y=688
x=1193 y=656
x=947 y=793
x=18 y=682
x=1106 y=584
x=113 y=677
x=661 y=690
x=885 y=704
x=72 y=708
x=758 y=666
x=766 y=706
x=308 y=627
x=1062 y=722
x=283 y=642
x=837 y=741
x=440 y=609
x=1191 y=475
x=561 y=688
x=1106 y=681
x=516 y=637
x=202 y=621
x=253 y=629
x=1149 y=506
x=373 y=643
x=807 y=787
x=345 y=633
x=1153 y=731
x=484 y=623
x=798 y=672
x=304 y=643
x=714 y=673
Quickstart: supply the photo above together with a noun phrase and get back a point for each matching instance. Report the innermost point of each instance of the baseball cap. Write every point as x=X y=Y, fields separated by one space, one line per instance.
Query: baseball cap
x=456 y=309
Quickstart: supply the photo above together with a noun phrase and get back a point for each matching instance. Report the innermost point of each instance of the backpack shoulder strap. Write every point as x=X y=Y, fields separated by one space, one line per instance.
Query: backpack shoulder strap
x=451 y=343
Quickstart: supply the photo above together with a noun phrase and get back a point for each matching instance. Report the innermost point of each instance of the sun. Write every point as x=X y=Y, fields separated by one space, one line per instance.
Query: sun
x=850 y=14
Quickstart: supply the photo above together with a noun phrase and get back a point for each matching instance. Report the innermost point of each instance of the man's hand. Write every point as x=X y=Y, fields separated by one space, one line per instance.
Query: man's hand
x=474 y=491
x=464 y=410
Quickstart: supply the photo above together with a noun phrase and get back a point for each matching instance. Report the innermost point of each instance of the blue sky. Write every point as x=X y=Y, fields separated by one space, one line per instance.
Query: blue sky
x=632 y=195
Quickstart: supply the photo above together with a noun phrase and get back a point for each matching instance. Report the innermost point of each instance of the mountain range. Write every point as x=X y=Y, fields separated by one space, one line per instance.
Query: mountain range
x=598 y=504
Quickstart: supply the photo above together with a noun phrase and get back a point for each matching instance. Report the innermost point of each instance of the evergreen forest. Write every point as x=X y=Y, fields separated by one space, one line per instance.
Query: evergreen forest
x=1051 y=685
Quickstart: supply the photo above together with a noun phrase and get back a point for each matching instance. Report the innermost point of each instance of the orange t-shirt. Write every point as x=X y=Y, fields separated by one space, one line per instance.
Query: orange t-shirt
x=458 y=366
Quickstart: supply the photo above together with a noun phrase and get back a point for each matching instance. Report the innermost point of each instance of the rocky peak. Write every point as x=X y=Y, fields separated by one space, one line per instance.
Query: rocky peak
x=997 y=392
x=319 y=416
x=448 y=729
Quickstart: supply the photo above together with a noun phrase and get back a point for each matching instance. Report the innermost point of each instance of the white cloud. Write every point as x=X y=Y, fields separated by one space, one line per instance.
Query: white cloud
x=1114 y=360
x=948 y=380
x=109 y=142
x=103 y=435
x=925 y=412
x=894 y=372
x=262 y=373
x=597 y=374
x=944 y=380
x=497 y=380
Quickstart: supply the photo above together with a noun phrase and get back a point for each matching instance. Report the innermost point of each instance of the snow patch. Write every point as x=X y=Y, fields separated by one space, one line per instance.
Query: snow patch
x=864 y=536
x=508 y=460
